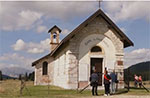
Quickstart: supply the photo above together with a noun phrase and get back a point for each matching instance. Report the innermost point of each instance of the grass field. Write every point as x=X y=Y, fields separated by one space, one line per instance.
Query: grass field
x=11 y=88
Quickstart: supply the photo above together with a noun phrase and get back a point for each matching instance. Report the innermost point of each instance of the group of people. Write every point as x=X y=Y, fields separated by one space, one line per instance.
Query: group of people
x=109 y=80
x=137 y=81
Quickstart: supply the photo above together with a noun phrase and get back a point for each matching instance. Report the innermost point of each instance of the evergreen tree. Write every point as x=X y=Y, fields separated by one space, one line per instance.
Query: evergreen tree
x=26 y=76
x=31 y=76
x=141 y=69
x=19 y=77
x=1 y=76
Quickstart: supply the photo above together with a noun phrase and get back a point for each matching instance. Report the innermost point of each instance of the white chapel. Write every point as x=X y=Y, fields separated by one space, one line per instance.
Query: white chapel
x=97 y=43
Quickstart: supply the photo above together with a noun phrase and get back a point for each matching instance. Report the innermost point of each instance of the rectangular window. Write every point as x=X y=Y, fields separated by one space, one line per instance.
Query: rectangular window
x=120 y=62
x=45 y=68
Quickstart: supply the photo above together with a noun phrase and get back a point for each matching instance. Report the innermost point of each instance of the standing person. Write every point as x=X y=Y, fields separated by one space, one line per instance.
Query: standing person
x=94 y=82
x=135 y=80
x=140 y=81
x=113 y=81
x=107 y=79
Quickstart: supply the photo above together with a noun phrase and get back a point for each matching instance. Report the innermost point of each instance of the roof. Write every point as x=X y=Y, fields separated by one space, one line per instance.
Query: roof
x=127 y=42
x=53 y=28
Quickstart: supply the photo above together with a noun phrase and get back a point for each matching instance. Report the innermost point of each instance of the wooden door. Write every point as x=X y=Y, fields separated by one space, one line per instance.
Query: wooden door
x=96 y=64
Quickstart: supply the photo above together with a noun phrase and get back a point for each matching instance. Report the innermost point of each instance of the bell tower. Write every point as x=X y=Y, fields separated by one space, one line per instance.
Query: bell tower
x=54 y=36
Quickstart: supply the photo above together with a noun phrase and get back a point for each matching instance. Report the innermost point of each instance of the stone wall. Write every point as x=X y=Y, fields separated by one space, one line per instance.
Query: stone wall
x=65 y=72
x=100 y=27
x=44 y=79
x=119 y=56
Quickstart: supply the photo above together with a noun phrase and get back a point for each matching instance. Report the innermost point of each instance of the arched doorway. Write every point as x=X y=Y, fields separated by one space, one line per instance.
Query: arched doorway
x=96 y=62
x=103 y=53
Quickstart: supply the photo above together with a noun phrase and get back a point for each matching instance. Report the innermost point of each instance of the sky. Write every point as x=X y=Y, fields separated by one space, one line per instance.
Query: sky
x=24 y=27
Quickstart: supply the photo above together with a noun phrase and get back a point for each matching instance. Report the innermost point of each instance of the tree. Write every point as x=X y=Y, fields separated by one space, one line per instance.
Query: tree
x=31 y=76
x=19 y=77
x=26 y=76
x=1 y=76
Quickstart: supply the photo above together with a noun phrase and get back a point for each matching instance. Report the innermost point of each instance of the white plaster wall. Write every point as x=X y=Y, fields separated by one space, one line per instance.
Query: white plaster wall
x=84 y=54
x=35 y=76
x=57 y=70
x=61 y=65
x=65 y=73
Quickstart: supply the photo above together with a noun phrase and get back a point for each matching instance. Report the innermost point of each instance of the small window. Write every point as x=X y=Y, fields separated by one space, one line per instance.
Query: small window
x=120 y=62
x=54 y=35
x=45 y=68
x=96 y=49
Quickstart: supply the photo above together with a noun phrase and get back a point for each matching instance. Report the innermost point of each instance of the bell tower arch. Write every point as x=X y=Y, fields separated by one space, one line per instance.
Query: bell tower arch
x=54 y=36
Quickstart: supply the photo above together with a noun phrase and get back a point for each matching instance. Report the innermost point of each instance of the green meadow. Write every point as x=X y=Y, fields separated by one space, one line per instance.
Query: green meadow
x=11 y=89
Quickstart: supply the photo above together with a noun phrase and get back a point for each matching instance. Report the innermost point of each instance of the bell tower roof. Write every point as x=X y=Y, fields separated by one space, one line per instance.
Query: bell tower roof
x=55 y=27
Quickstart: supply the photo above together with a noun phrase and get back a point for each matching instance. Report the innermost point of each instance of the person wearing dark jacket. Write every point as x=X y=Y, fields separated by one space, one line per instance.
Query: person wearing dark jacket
x=113 y=81
x=107 y=79
x=94 y=83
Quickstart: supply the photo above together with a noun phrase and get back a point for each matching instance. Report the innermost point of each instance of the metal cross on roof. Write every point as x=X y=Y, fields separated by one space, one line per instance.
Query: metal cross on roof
x=99 y=3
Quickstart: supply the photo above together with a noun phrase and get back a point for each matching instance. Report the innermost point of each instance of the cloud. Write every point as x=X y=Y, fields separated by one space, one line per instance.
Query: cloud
x=41 y=29
x=26 y=15
x=31 y=15
x=15 y=60
x=27 y=18
x=34 y=48
x=2 y=65
x=21 y=20
x=14 y=64
x=136 y=56
x=20 y=44
x=121 y=11
x=65 y=32
x=14 y=71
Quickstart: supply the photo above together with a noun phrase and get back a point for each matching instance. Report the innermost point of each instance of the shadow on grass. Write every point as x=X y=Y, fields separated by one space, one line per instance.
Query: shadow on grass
x=101 y=92
x=142 y=88
x=138 y=88
x=119 y=92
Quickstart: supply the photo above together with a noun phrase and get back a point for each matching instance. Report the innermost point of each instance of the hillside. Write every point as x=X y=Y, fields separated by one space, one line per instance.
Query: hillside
x=142 y=69
x=7 y=77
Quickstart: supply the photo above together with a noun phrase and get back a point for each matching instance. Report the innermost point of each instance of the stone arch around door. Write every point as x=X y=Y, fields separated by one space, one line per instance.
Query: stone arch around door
x=85 y=56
